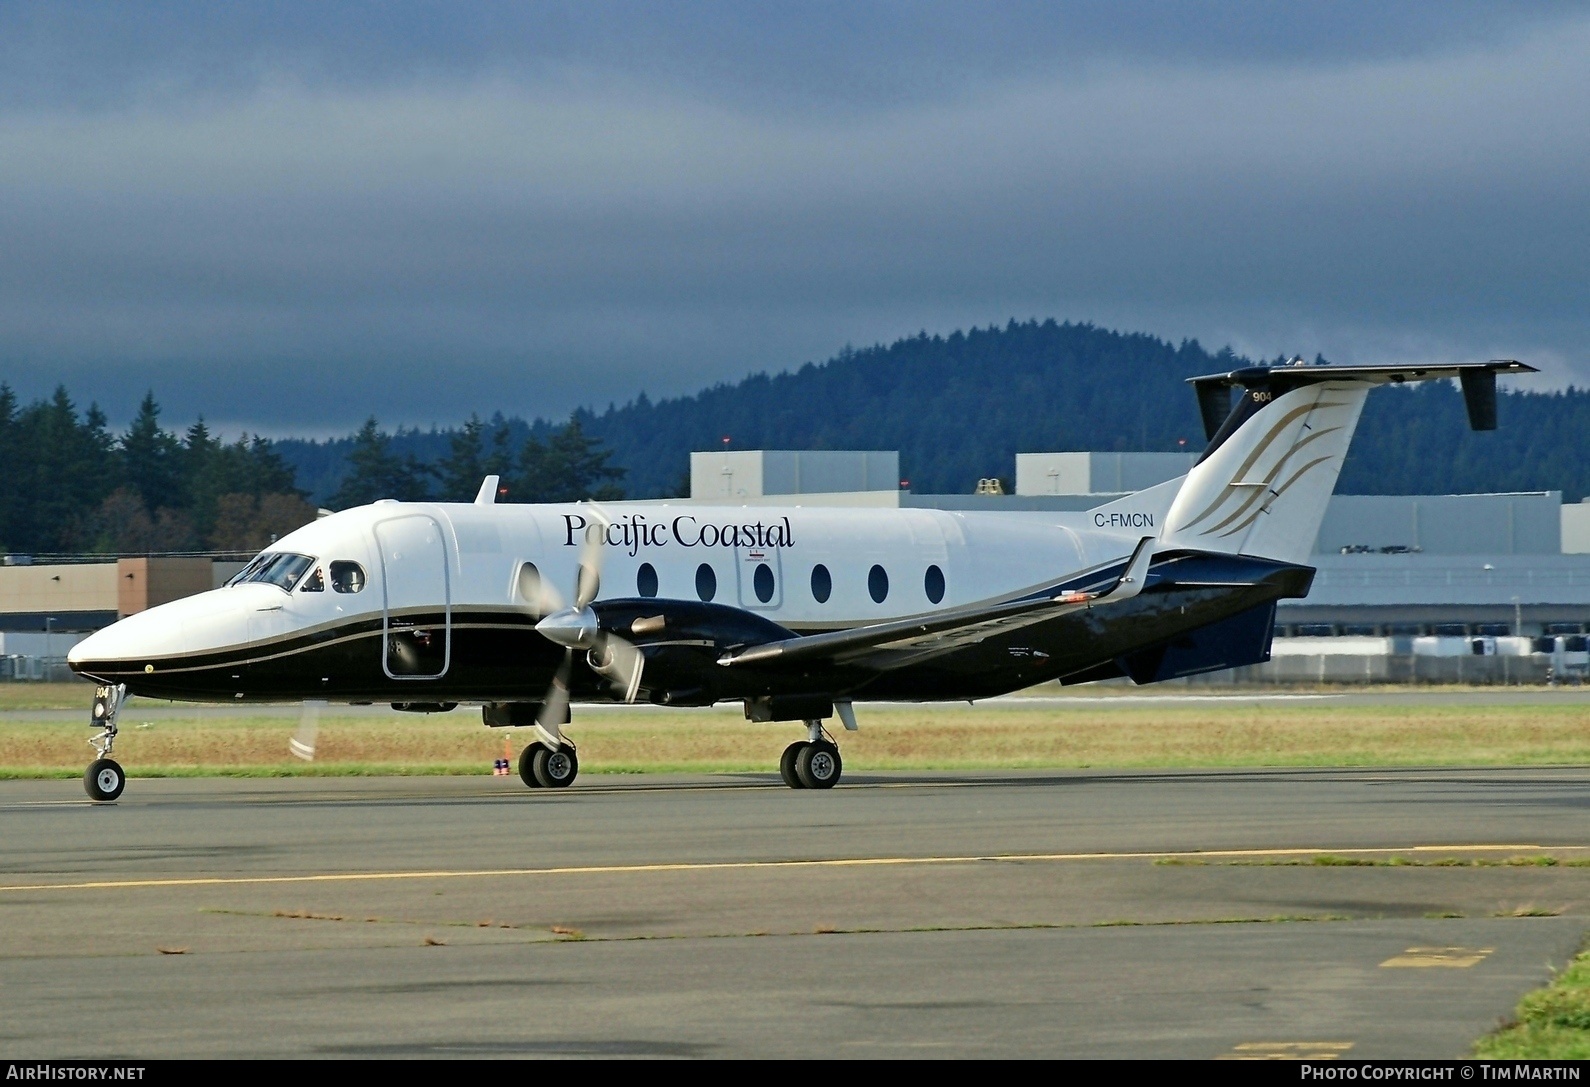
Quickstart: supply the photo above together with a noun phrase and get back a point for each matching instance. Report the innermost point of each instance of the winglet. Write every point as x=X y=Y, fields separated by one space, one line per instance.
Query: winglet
x=487 y=495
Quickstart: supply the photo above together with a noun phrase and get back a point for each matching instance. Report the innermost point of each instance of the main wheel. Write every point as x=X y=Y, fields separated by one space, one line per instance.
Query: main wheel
x=818 y=765
x=104 y=779
x=786 y=765
x=555 y=769
x=527 y=764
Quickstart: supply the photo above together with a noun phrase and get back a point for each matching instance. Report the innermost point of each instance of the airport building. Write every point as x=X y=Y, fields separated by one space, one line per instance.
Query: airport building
x=1435 y=588
x=1409 y=587
x=47 y=607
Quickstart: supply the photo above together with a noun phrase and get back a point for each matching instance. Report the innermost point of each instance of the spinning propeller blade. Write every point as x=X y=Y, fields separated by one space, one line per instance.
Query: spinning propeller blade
x=620 y=662
x=555 y=707
x=577 y=627
x=302 y=745
x=536 y=593
x=588 y=579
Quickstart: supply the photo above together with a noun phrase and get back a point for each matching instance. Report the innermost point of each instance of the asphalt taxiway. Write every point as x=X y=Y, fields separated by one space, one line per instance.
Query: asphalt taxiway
x=968 y=914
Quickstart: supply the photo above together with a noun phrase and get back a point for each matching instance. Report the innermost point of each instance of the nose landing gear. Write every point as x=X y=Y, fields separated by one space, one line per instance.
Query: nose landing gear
x=104 y=779
x=813 y=763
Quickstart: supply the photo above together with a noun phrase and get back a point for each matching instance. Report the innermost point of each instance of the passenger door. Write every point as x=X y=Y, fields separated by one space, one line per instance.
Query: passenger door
x=759 y=573
x=417 y=616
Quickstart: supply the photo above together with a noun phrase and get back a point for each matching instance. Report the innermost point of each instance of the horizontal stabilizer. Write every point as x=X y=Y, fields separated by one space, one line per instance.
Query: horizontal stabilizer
x=1262 y=484
x=1477 y=378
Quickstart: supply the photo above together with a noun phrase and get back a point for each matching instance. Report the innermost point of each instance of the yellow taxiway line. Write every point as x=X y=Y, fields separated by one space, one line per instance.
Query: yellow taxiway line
x=722 y=866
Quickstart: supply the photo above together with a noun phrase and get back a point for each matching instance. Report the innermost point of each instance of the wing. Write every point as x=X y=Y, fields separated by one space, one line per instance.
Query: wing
x=945 y=630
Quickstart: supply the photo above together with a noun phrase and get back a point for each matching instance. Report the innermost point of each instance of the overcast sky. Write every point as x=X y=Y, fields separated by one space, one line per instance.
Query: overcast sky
x=288 y=216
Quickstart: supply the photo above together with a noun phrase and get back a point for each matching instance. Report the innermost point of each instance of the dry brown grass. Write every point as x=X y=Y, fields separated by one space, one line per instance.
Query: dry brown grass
x=1093 y=733
x=46 y=696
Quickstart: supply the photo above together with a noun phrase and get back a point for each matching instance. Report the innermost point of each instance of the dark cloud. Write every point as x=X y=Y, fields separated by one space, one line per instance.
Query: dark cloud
x=289 y=216
x=821 y=51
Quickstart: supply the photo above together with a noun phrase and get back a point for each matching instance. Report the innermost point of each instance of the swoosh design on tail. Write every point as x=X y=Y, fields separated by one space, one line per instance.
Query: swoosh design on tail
x=1258 y=450
x=1259 y=492
x=1277 y=494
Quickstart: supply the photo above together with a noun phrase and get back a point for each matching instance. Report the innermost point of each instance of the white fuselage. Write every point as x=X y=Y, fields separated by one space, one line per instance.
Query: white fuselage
x=478 y=551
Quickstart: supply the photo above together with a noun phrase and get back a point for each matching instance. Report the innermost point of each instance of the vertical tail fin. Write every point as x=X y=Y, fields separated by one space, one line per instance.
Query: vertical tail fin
x=1262 y=486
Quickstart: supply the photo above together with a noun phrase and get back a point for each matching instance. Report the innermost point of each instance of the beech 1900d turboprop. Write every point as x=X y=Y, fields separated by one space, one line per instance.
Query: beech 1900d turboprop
x=796 y=612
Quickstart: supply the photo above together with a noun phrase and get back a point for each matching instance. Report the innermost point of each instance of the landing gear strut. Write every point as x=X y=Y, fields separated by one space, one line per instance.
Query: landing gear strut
x=104 y=779
x=813 y=763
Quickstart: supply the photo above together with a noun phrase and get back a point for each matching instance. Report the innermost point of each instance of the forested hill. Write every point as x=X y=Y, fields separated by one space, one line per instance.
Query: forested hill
x=960 y=407
x=957 y=407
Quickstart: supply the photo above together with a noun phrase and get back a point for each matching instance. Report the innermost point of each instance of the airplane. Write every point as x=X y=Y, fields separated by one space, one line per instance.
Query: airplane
x=796 y=612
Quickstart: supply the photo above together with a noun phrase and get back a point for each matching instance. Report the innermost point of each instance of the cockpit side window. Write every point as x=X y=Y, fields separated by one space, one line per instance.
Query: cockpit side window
x=314 y=583
x=248 y=571
x=347 y=577
x=285 y=570
x=279 y=568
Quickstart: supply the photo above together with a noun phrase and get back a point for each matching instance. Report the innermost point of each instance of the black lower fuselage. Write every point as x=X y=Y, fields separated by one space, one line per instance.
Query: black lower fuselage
x=496 y=655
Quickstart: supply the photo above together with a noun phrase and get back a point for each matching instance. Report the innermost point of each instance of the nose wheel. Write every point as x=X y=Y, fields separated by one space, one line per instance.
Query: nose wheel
x=105 y=779
x=812 y=763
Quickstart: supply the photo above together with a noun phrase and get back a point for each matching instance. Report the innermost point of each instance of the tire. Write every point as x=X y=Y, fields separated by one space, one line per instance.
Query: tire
x=818 y=765
x=104 y=779
x=786 y=765
x=556 y=769
x=527 y=764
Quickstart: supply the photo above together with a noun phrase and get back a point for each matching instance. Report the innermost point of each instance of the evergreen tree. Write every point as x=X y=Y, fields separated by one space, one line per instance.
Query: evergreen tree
x=246 y=522
x=201 y=467
x=570 y=466
x=12 y=456
x=152 y=459
x=66 y=473
x=376 y=472
x=214 y=470
x=469 y=462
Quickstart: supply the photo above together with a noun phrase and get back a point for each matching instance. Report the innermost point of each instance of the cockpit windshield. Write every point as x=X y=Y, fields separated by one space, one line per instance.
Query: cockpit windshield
x=278 y=568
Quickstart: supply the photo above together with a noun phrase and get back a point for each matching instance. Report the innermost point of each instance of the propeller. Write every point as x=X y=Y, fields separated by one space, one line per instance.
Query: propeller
x=302 y=745
x=577 y=627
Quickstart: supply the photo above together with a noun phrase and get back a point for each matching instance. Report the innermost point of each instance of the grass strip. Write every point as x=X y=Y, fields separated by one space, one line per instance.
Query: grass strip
x=158 y=740
x=1549 y=1024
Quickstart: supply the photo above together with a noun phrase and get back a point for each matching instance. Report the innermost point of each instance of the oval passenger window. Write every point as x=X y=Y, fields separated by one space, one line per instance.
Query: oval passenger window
x=646 y=579
x=933 y=584
x=822 y=584
x=762 y=581
x=706 y=582
x=878 y=584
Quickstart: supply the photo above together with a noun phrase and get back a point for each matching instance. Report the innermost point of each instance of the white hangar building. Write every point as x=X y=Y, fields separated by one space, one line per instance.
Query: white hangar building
x=1389 y=565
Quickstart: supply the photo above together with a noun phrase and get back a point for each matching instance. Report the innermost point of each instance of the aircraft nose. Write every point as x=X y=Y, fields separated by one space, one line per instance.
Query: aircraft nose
x=121 y=641
x=208 y=621
x=82 y=651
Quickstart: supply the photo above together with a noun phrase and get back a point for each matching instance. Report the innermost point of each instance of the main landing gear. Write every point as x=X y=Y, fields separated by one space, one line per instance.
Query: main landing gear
x=812 y=763
x=543 y=767
x=104 y=779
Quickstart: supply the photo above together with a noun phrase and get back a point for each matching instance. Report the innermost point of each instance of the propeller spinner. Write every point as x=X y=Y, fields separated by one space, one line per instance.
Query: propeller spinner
x=578 y=627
